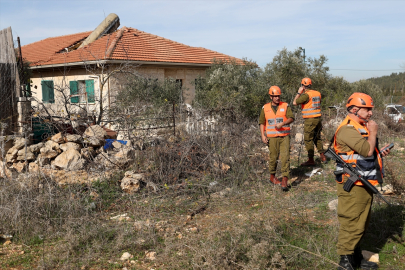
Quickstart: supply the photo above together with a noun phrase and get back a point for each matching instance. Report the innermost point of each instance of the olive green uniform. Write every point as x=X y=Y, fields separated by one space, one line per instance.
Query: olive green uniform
x=312 y=130
x=353 y=207
x=279 y=147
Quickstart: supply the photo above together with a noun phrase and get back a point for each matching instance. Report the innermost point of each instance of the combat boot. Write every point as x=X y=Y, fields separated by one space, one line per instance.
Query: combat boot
x=346 y=262
x=323 y=158
x=284 y=183
x=360 y=262
x=309 y=162
x=274 y=180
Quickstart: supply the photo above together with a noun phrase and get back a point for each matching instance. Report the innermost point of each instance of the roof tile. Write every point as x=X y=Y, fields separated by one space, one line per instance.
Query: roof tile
x=133 y=45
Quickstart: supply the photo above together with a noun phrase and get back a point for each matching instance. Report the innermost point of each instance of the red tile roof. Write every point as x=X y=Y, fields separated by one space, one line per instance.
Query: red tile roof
x=124 y=44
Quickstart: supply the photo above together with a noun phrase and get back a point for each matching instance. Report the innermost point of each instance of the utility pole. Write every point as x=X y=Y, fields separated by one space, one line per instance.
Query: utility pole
x=303 y=50
x=23 y=86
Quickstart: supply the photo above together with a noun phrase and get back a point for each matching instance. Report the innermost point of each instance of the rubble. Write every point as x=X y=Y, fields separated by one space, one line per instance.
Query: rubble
x=58 y=138
x=95 y=131
x=69 y=160
x=333 y=205
x=69 y=145
x=371 y=256
x=75 y=138
x=126 y=256
x=388 y=190
x=132 y=181
x=64 y=157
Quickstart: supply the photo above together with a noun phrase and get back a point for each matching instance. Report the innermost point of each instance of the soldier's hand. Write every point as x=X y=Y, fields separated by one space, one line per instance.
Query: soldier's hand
x=385 y=152
x=279 y=125
x=265 y=140
x=301 y=90
x=372 y=126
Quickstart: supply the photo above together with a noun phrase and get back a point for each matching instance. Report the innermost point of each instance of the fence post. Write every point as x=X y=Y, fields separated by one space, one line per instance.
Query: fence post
x=174 y=121
x=3 y=126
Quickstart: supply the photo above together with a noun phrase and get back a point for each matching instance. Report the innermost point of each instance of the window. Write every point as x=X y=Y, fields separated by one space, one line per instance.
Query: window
x=82 y=89
x=47 y=92
x=179 y=82
x=392 y=110
x=400 y=108
x=27 y=90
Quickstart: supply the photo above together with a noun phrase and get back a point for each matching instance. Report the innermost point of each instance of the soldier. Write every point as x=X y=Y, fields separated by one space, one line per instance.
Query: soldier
x=310 y=101
x=274 y=121
x=355 y=141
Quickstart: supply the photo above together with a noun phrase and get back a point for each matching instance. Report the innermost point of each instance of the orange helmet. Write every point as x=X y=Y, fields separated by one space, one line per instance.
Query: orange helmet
x=306 y=81
x=360 y=100
x=275 y=91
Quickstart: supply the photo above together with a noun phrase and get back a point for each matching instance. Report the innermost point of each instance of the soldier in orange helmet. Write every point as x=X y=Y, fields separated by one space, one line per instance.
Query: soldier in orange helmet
x=274 y=121
x=310 y=101
x=355 y=140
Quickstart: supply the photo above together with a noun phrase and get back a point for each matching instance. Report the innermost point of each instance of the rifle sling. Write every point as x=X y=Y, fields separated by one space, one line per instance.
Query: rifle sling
x=377 y=165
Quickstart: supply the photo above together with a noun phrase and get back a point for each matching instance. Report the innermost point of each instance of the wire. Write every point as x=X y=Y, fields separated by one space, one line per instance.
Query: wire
x=367 y=69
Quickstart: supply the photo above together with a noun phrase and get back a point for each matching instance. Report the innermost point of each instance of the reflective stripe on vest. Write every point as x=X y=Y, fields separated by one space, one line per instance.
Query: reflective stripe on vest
x=273 y=119
x=312 y=108
x=364 y=165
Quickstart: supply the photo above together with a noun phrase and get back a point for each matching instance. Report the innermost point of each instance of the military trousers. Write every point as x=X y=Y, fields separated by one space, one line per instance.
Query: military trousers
x=279 y=148
x=353 y=211
x=312 y=135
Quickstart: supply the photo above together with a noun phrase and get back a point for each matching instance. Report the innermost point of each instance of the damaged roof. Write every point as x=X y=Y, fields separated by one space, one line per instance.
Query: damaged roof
x=123 y=44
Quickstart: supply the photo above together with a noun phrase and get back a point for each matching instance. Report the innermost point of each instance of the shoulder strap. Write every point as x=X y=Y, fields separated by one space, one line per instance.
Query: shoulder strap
x=377 y=164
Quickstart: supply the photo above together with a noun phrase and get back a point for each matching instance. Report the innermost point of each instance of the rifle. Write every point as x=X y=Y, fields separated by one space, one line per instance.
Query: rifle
x=353 y=173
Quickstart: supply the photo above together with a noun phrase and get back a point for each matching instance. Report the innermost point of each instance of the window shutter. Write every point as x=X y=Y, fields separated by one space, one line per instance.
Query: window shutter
x=74 y=91
x=51 y=94
x=90 y=90
x=45 y=95
x=28 y=90
x=47 y=92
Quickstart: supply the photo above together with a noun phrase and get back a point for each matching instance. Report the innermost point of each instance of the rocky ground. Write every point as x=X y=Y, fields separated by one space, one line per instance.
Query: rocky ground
x=220 y=213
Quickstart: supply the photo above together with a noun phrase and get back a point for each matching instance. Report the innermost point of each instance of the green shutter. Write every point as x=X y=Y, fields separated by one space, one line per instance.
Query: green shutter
x=45 y=95
x=74 y=91
x=47 y=92
x=28 y=90
x=90 y=90
x=51 y=94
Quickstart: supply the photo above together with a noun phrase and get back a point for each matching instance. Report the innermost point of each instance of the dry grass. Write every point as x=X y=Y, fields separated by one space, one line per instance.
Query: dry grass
x=202 y=217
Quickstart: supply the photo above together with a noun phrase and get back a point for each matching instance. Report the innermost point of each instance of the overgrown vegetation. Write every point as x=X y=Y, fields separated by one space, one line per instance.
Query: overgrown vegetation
x=244 y=88
x=211 y=205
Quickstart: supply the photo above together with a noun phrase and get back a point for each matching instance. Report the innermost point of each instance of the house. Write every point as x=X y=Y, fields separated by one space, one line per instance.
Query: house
x=76 y=62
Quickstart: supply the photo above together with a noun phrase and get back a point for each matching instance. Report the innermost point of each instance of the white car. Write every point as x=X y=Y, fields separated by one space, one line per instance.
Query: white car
x=395 y=112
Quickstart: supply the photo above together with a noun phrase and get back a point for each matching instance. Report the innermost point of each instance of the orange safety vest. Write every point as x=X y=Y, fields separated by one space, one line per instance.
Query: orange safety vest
x=312 y=108
x=273 y=119
x=364 y=165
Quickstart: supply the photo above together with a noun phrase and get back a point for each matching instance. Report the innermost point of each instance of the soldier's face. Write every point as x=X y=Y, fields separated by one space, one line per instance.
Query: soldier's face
x=275 y=99
x=365 y=113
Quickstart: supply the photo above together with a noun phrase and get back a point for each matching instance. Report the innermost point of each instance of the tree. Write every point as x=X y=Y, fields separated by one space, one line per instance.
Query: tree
x=231 y=86
x=288 y=68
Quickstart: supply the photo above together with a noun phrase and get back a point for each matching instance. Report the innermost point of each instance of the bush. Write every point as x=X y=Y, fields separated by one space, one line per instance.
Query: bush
x=228 y=85
x=244 y=88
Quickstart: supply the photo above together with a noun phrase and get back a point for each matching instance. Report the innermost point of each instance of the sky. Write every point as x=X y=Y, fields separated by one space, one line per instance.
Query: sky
x=361 y=39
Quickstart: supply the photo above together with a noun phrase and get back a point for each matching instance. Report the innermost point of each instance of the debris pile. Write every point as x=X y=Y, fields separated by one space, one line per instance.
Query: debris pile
x=71 y=153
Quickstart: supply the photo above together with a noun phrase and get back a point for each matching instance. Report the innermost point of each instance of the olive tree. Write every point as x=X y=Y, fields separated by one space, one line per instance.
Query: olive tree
x=288 y=68
x=228 y=85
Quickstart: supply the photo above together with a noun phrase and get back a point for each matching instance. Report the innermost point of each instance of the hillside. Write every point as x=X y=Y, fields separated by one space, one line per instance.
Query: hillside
x=394 y=83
